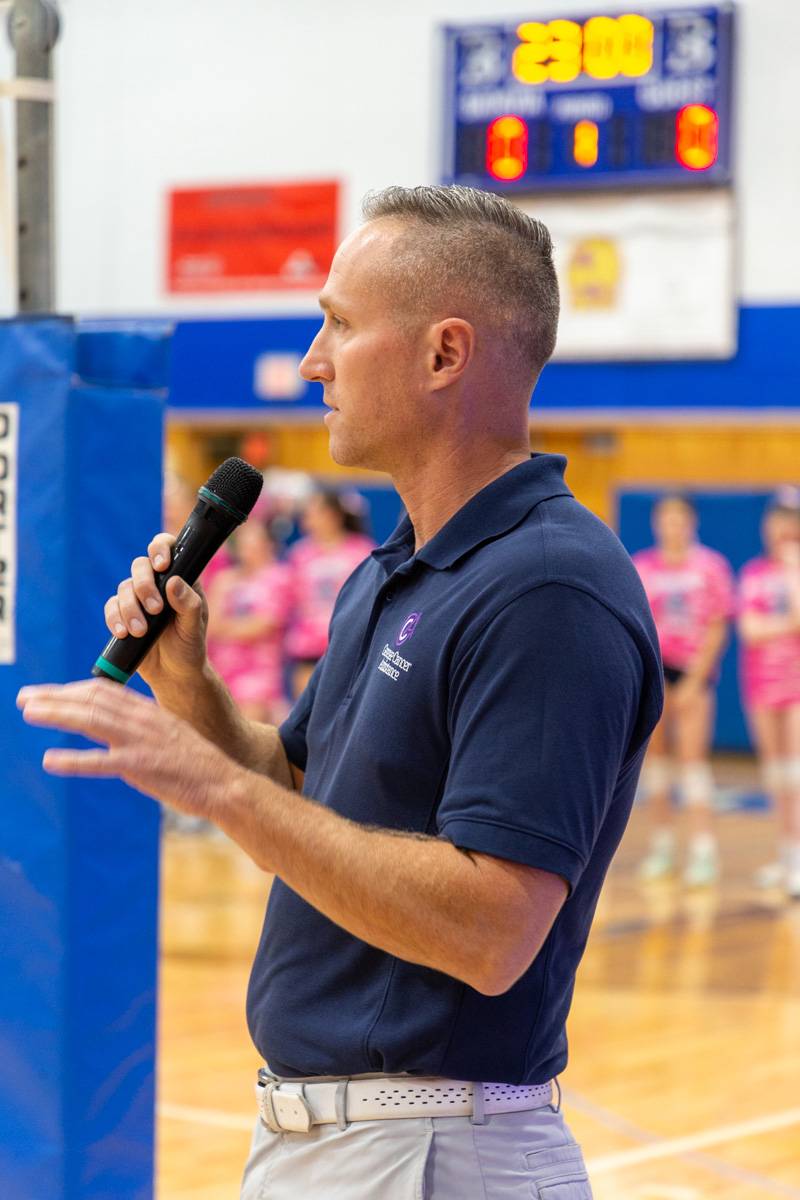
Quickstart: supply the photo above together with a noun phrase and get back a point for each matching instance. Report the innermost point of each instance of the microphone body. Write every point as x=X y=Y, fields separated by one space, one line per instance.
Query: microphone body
x=209 y=524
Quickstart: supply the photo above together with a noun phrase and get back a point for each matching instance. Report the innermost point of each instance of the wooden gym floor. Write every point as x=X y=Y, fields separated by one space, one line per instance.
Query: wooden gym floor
x=684 y=1078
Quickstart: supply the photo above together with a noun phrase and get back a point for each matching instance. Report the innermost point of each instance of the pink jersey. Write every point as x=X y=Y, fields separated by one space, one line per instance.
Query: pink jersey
x=685 y=598
x=318 y=574
x=252 y=670
x=221 y=561
x=770 y=670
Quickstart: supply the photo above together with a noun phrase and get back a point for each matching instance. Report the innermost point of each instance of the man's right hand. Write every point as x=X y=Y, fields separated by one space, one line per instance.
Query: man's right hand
x=180 y=653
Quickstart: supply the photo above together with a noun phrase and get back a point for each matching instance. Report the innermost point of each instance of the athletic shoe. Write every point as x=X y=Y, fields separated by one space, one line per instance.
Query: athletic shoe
x=770 y=875
x=702 y=868
x=659 y=864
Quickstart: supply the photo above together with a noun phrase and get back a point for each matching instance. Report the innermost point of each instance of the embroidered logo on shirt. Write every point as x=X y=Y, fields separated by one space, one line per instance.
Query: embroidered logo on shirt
x=391 y=663
x=407 y=631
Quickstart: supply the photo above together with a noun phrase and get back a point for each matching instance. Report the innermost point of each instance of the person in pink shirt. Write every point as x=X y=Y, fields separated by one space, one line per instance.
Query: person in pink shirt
x=769 y=630
x=249 y=604
x=333 y=546
x=691 y=592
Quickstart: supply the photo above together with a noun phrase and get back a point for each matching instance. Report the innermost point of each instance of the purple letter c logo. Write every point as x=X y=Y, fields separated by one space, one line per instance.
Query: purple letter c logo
x=409 y=625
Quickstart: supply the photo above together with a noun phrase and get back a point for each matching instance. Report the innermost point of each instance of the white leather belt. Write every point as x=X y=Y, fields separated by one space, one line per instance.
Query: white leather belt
x=296 y=1107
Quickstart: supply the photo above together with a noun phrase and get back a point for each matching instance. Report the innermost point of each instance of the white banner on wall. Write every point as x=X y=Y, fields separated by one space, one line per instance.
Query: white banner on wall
x=643 y=277
x=9 y=424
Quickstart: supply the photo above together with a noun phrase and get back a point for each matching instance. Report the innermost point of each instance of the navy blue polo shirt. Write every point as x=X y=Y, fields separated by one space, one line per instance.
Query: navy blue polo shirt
x=496 y=689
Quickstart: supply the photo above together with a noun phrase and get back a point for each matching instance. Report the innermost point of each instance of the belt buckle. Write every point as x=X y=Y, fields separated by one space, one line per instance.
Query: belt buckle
x=285 y=1111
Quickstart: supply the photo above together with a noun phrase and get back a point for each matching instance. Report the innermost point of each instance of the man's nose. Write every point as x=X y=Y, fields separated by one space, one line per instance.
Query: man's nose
x=316 y=367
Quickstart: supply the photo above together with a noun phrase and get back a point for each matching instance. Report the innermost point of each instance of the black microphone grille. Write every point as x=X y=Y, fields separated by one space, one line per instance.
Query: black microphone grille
x=237 y=483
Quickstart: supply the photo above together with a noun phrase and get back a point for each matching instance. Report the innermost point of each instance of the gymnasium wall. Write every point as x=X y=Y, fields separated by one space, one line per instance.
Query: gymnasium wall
x=258 y=90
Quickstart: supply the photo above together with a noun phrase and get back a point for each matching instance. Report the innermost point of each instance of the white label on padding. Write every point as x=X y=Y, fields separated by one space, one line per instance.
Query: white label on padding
x=9 y=424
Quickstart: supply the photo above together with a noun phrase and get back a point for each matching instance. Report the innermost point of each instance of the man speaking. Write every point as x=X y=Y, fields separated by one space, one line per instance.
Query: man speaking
x=442 y=805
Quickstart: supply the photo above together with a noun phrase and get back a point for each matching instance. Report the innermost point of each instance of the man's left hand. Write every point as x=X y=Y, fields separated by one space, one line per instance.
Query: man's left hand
x=146 y=746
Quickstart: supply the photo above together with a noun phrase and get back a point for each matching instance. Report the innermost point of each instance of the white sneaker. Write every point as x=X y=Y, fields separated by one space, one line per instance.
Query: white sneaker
x=702 y=868
x=770 y=875
x=658 y=864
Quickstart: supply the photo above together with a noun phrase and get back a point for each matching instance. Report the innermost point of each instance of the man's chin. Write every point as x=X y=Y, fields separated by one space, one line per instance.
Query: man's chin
x=345 y=454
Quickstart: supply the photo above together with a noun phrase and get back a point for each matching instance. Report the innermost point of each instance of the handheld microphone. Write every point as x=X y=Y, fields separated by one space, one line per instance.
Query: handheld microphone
x=225 y=501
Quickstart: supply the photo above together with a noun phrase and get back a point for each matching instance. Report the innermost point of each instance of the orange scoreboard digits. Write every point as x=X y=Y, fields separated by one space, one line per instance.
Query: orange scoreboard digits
x=696 y=133
x=507 y=147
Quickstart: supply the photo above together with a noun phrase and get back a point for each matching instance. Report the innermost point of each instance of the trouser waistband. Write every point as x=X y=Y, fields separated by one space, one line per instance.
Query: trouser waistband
x=296 y=1106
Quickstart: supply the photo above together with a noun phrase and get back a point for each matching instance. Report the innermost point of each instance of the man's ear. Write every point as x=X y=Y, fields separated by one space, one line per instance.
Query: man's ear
x=452 y=345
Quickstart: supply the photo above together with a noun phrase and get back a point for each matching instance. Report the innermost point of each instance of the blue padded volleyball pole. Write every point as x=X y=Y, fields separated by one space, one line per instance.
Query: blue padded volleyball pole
x=81 y=419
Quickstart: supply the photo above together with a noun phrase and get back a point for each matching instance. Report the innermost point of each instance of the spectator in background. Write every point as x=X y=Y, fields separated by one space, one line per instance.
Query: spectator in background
x=178 y=500
x=334 y=544
x=691 y=593
x=249 y=604
x=769 y=628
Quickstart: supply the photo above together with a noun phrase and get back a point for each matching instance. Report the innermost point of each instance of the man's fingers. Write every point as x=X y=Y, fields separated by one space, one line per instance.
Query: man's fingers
x=96 y=708
x=73 y=716
x=113 y=618
x=184 y=599
x=144 y=585
x=51 y=691
x=80 y=762
x=130 y=611
x=160 y=551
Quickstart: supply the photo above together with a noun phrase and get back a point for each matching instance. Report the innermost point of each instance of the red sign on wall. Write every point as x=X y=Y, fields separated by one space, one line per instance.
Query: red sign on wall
x=251 y=238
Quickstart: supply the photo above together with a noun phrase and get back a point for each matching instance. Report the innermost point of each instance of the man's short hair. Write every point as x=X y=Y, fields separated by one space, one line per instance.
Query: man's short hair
x=472 y=253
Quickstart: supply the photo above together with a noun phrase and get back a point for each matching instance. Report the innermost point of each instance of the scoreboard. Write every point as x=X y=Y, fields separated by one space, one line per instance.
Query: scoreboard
x=605 y=100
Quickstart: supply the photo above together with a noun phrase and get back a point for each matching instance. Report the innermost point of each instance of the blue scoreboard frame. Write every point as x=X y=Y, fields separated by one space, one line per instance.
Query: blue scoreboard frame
x=636 y=99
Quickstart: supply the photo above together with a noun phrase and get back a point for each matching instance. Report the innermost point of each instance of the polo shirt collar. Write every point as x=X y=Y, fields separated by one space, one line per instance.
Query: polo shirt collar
x=493 y=511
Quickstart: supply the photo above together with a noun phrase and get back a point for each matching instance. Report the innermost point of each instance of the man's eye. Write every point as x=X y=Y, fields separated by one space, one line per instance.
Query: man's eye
x=336 y=321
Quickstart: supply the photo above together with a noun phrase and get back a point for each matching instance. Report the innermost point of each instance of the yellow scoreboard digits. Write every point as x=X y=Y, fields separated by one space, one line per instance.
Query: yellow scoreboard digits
x=601 y=47
x=604 y=47
x=566 y=38
x=636 y=49
x=531 y=55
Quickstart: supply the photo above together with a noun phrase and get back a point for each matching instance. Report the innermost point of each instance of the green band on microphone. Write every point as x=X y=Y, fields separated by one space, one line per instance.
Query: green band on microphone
x=215 y=499
x=108 y=668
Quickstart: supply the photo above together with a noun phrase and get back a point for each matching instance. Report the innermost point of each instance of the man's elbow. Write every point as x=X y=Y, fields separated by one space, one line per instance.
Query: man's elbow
x=494 y=975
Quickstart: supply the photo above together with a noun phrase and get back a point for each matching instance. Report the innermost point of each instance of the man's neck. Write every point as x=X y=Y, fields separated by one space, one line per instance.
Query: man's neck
x=435 y=489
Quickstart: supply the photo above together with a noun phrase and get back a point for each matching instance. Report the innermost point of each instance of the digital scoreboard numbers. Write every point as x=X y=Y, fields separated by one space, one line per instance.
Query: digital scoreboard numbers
x=595 y=101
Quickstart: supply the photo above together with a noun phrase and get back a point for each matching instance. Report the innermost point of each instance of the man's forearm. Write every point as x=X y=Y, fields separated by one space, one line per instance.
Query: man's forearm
x=474 y=916
x=418 y=898
x=208 y=707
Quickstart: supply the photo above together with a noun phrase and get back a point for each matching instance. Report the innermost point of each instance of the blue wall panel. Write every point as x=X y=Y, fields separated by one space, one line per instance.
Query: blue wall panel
x=763 y=374
x=78 y=859
x=213 y=369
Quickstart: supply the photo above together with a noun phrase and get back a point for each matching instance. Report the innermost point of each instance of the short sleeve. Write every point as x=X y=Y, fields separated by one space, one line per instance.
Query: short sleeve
x=293 y=730
x=544 y=713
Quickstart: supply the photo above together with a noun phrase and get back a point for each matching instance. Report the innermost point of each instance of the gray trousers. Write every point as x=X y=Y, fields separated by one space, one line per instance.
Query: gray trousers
x=508 y=1157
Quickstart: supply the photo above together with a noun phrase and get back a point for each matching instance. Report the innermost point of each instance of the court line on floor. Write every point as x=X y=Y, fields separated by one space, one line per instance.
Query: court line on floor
x=671 y=1147
x=206 y=1116
x=716 y=1166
